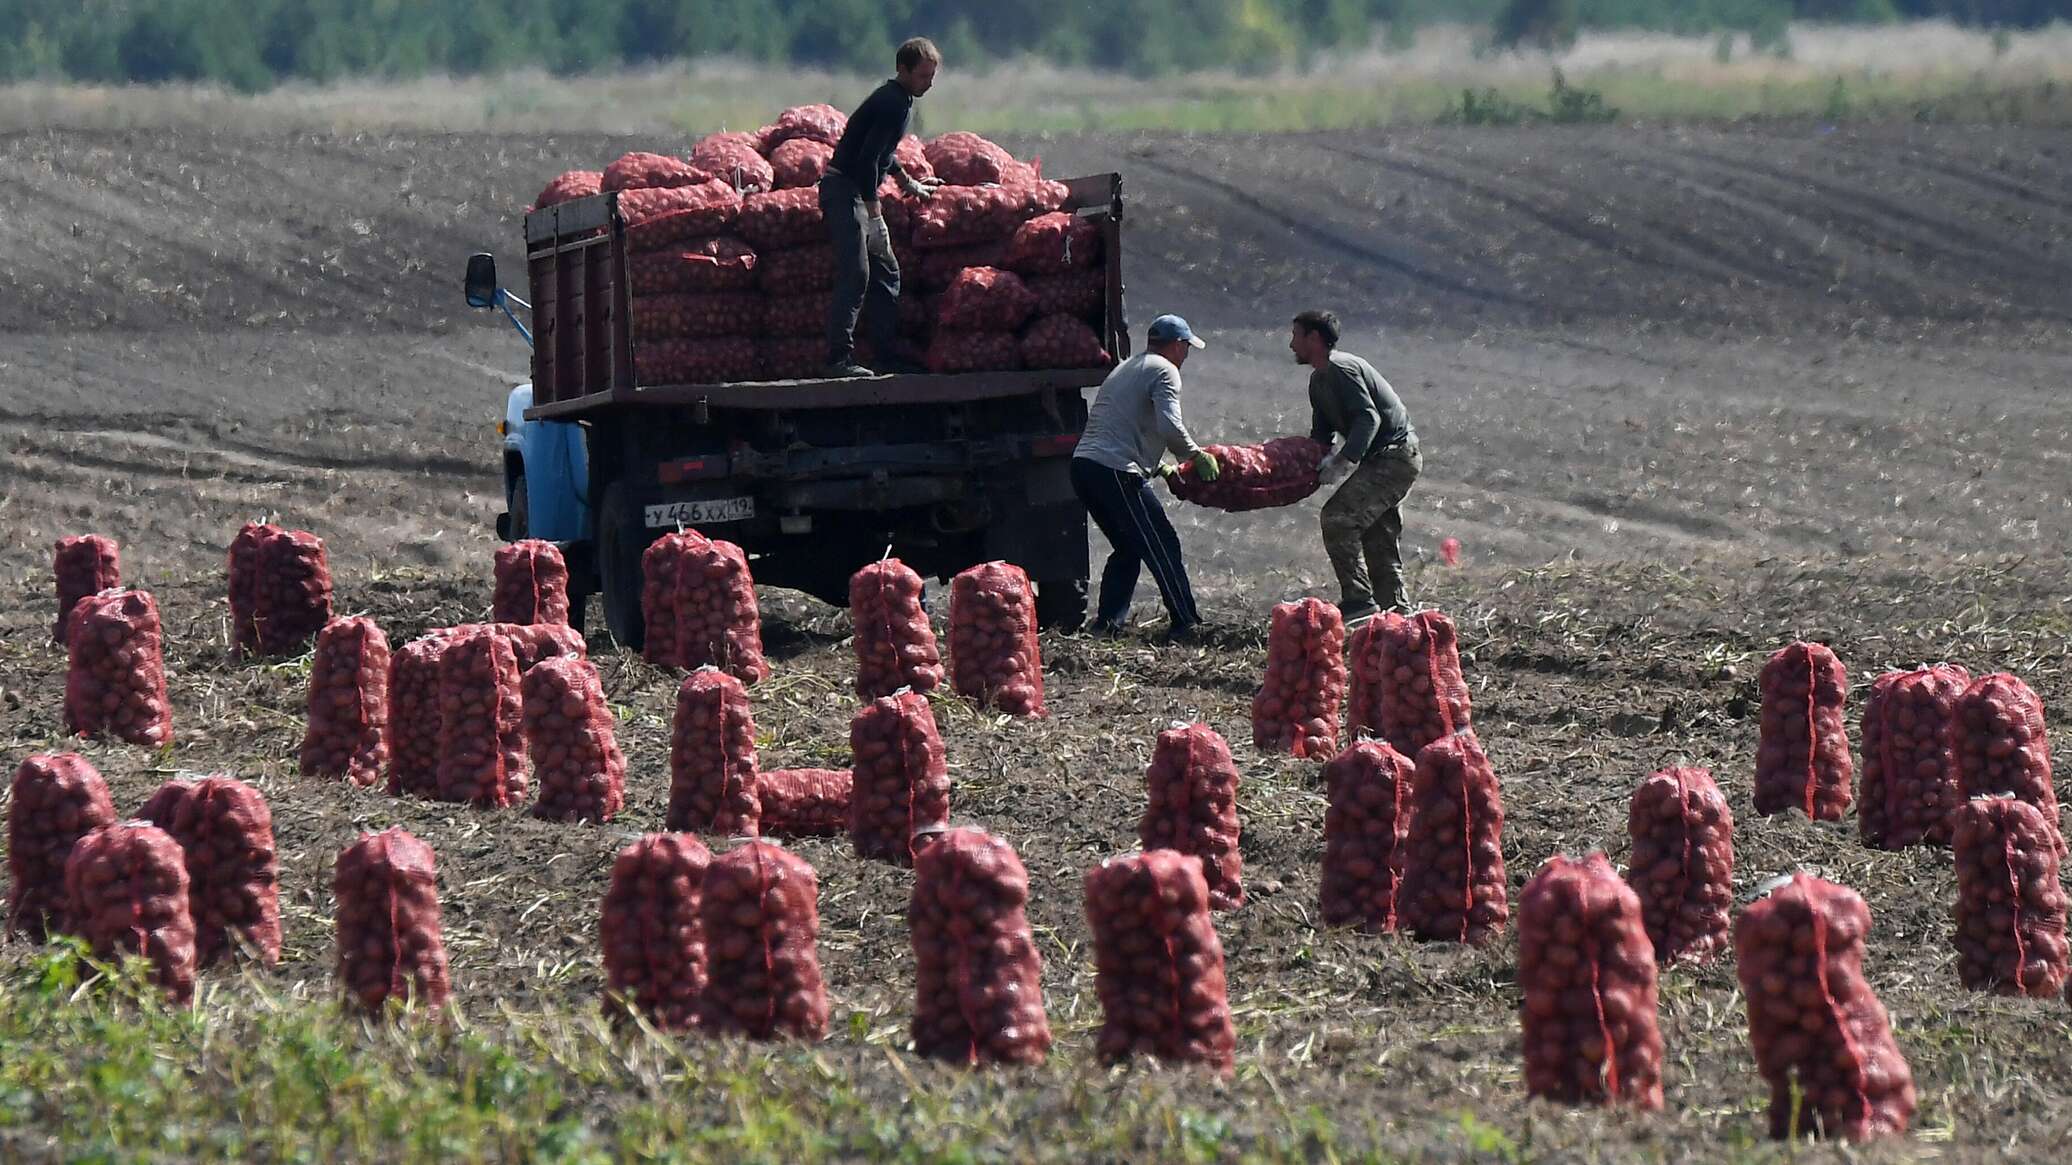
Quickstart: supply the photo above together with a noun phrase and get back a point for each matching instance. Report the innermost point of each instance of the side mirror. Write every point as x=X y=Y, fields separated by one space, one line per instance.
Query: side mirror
x=481 y=281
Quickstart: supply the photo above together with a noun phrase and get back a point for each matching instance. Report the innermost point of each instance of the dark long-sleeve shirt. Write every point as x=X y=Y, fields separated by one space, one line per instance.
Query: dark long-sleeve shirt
x=864 y=155
x=1348 y=398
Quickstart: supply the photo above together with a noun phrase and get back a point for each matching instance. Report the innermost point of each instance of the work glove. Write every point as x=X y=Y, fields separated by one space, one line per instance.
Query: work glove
x=1333 y=469
x=1205 y=467
x=918 y=187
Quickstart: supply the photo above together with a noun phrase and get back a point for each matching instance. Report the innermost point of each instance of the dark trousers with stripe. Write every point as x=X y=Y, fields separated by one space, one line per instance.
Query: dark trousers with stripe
x=1129 y=515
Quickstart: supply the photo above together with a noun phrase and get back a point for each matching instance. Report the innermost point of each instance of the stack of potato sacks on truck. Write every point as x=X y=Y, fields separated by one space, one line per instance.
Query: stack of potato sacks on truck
x=731 y=270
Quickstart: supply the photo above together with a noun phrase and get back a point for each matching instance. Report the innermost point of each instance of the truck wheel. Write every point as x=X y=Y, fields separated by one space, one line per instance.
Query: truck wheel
x=521 y=510
x=621 y=540
x=1060 y=603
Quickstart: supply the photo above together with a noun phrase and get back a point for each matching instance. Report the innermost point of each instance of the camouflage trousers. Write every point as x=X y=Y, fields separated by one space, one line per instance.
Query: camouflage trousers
x=1363 y=527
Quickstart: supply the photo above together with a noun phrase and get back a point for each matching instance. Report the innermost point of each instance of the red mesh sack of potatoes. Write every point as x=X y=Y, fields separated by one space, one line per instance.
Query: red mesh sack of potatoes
x=115 y=670
x=56 y=799
x=966 y=159
x=2002 y=746
x=985 y=299
x=917 y=314
x=716 y=263
x=1803 y=759
x=568 y=186
x=900 y=780
x=576 y=763
x=994 y=654
x=244 y=586
x=761 y=916
x=1191 y=807
x=2010 y=906
x=912 y=155
x=126 y=894
x=290 y=591
x=533 y=642
x=1910 y=784
x=719 y=360
x=348 y=732
x=712 y=765
x=735 y=158
x=800 y=316
x=82 y=566
x=696 y=315
x=950 y=352
x=413 y=725
x=481 y=738
x=792 y=357
x=783 y=218
x=531 y=583
x=225 y=831
x=813 y=123
x=1296 y=709
x=652 y=933
x=1063 y=342
x=666 y=216
x=978 y=979
x=1074 y=293
x=1158 y=965
x=1369 y=790
x=961 y=216
x=798 y=271
x=1682 y=866
x=1587 y=971
x=800 y=162
x=804 y=802
x=717 y=620
x=1280 y=472
x=1821 y=1037
x=643 y=171
x=1040 y=197
x=389 y=941
x=893 y=639
x=1406 y=680
x=1452 y=856
x=660 y=564
x=1054 y=243
x=936 y=270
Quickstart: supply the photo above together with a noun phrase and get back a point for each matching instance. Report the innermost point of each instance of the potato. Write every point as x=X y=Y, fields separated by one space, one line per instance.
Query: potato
x=1053 y=244
x=813 y=123
x=481 y=741
x=893 y=640
x=696 y=315
x=710 y=264
x=1158 y=965
x=82 y=566
x=225 y=832
x=1821 y=1037
x=2010 y=911
x=1406 y=680
x=781 y=219
x=413 y=728
x=1369 y=788
x=127 y=894
x=995 y=657
x=348 y=707
x=2002 y=746
x=712 y=761
x=56 y=799
x=280 y=590
x=1062 y=341
x=389 y=941
x=1910 y=778
x=569 y=735
x=642 y=171
x=1587 y=971
x=966 y=159
x=652 y=931
x=1451 y=859
x=761 y=916
x=659 y=218
x=735 y=158
x=115 y=670
x=798 y=271
x=978 y=981
x=800 y=162
x=985 y=299
x=1191 y=808
x=1802 y=758
x=1682 y=867
x=568 y=186
x=901 y=786
x=1296 y=709
x=804 y=802
x=1279 y=472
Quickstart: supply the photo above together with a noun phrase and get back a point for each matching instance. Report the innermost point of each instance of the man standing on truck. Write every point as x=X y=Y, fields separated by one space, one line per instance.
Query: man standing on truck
x=866 y=273
x=1377 y=457
x=1133 y=422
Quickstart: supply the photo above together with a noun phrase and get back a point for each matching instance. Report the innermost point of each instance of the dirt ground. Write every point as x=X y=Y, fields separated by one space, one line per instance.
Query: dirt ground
x=1685 y=395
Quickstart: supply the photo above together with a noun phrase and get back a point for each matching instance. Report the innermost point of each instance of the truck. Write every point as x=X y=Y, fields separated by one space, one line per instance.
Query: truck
x=812 y=478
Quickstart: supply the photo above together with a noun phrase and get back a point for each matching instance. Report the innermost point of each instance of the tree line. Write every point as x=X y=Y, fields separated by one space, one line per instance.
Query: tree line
x=254 y=44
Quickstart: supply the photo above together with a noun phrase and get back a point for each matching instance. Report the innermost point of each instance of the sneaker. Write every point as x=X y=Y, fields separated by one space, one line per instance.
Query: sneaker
x=1188 y=633
x=1104 y=629
x=1358 y=614
x=845 y=370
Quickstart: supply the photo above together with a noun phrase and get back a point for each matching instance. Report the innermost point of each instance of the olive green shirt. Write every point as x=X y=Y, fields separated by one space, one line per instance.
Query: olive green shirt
x=1349 y=399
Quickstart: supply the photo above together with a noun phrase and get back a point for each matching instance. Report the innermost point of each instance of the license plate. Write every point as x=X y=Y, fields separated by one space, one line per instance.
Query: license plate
x=711 y=511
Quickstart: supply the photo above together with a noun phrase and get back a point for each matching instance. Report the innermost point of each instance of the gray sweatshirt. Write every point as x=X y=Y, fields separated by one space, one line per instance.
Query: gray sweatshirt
x=1136 y=416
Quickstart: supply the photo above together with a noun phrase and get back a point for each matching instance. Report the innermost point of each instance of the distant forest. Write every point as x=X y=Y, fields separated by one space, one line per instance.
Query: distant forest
x=255 y=44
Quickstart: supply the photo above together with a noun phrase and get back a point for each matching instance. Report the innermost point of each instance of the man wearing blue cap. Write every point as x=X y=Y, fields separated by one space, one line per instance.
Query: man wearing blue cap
x=1133 y=422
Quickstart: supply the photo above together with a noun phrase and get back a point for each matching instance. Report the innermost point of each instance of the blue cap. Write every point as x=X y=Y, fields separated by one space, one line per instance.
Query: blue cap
x=1166 y=329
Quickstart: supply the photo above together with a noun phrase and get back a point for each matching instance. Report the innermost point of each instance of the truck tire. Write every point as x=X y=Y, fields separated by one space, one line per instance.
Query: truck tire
x=521 y=509
x=621 y=539
x=1060 y=603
